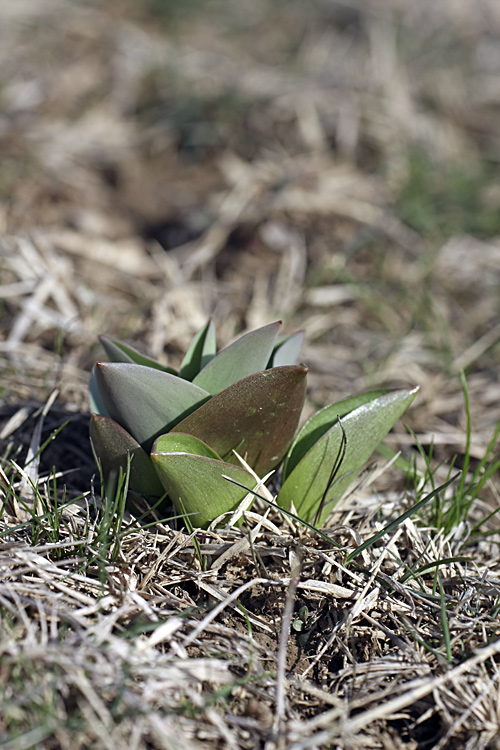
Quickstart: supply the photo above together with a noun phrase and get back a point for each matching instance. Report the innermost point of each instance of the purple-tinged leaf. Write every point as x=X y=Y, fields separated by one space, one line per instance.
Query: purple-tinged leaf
x=112 y=445
x=247 y=355
x=258 y=417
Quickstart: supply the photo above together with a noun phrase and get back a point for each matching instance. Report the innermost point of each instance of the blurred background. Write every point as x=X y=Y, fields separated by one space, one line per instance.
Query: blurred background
x=332 y=164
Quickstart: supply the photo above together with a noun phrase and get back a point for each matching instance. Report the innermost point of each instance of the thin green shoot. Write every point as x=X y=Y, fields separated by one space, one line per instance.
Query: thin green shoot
x=426 y=456
x=474 y=534
x=287 y=513
x=495 y=610
x=260 y=566
x=250 y=636
x=469 y=489
x=56 y=524
x=444 y=618
x=369 y=542
x=421 y=642
x=397 y=521
x=136 y=523
x=467 y=492
x=416 y=574
x=46 y=523
x=410 y=569
x=189 y=526
x=109 y=521
x=468 y=436
x=406 y=466
x=460 y=506
x=420 y=482
x=47 y=516
x=44 y=445
x=448 y=514
x=485 y=470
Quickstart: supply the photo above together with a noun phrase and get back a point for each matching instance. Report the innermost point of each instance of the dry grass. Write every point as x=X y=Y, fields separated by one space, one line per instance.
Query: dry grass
x=331 y=164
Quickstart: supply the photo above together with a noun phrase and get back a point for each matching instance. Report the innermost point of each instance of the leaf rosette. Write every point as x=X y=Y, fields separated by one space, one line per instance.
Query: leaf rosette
x=182 y=433
x=182 y=429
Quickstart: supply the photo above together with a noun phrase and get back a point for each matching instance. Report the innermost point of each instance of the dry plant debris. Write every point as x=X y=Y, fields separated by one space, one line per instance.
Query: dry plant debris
x=329 y=163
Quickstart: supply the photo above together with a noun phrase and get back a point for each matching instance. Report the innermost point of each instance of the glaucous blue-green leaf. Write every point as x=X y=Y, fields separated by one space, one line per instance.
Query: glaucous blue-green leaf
x=201 y=350
x=321 y=422
x=112 y=445
x=95 y=400
x=246 y=356
x=287 y=350
x=365 y=427
x=144 y=401
x=117 y=351
x=257 y=416
x=194 y=480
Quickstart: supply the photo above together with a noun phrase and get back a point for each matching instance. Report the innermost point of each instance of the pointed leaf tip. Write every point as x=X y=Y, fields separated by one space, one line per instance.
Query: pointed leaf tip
x=322 y=421
x=257 y=417
x=146 y=402
x=117 y=351
x=247 y=355
x=113 y=445
x=309 y=481
x=287 y=350
x=95 y=400
x=201 y=350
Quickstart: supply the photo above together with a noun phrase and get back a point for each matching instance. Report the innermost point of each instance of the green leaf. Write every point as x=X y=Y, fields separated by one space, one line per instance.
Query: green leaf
x=194 y=481
x=246 y=356
x=365 y=427
x=112 y=446
x=257 y=417
x=287 y=350
x=117 y=351
x=322 y=421
x=95 y=400
x=179 y=442
x=144 y=401
x=201 y=350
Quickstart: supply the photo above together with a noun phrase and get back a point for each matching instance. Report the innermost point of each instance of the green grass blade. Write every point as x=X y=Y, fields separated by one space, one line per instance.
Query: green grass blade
x=287 y=513
x=415 y=574
x=444 y=620
x=399 y=520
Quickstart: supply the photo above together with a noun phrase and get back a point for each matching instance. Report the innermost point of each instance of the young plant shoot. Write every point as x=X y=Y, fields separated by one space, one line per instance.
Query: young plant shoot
x=183 y=430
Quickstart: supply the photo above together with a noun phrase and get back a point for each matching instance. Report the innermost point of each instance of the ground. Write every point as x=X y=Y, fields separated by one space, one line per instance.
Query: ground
x=330 y=164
